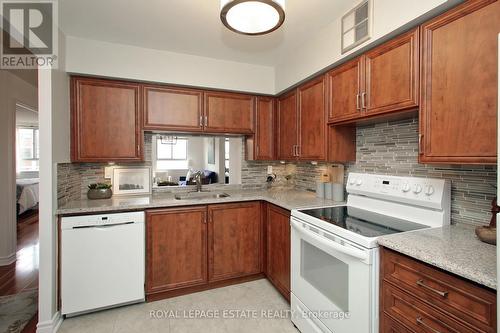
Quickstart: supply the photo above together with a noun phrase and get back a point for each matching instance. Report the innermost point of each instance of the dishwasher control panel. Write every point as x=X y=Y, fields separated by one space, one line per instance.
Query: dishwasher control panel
x=82 y=221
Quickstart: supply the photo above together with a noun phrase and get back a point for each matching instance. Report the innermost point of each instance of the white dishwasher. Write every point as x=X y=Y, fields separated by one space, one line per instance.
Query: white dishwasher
x=102 y=261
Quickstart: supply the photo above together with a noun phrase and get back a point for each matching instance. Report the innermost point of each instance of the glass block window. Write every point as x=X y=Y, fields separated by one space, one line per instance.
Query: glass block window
x=356 y=26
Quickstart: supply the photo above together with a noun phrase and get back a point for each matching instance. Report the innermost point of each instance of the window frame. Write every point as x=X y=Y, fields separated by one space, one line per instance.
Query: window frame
x=343 y=30
x=155 y=158
x=35 y=148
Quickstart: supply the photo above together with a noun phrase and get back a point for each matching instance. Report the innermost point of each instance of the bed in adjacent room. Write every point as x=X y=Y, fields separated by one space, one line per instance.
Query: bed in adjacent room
x=27 y=194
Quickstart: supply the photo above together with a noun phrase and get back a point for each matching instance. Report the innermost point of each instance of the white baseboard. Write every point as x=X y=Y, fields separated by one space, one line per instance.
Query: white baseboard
x=50 y=326
x=4 y=261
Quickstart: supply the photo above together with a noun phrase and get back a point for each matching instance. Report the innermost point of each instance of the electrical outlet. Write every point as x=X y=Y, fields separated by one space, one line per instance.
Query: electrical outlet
x=269 y=169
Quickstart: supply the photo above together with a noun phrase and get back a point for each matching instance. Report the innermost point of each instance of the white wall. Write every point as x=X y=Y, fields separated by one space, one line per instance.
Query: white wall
x=12 y=90
x=235 y=160
x=92 y=57
x=99 y=58
x=196 y=153
x=54 y=148
x=26 y=118
x=324 y=47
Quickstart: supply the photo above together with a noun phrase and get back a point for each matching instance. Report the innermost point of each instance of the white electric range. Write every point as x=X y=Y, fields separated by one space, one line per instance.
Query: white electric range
x=335 y=257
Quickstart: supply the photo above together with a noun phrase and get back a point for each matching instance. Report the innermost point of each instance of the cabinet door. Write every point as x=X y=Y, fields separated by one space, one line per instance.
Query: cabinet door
x=176 y=248
x=391 y=75
x=278 y=249
x=287 y=131
x=344 y=91
x=458 y=108
x=341 y=143
x=229 y=113
x=312 y=120
x=235 y=240
x=105 y=118
x=264 y=131
x=172 y=109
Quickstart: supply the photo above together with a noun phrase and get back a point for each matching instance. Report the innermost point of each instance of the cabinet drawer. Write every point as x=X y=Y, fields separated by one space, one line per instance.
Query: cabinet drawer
x=416 y=314
x=389 y=325
x=461 y=299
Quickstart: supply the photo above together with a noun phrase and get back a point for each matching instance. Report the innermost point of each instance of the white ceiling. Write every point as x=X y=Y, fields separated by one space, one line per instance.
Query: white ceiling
x=194 y=27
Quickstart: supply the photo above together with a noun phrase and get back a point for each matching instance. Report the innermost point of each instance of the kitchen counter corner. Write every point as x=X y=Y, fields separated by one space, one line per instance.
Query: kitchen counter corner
x=454 y=248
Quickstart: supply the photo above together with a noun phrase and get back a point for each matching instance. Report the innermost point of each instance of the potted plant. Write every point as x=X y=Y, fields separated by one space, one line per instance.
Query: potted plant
x=99 y=191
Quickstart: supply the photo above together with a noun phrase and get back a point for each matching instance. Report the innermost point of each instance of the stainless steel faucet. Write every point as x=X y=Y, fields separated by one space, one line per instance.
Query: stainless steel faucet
x=198 y=180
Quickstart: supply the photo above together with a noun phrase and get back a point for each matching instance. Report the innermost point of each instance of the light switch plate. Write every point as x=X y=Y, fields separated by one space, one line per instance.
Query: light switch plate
x=108 y=172
x=269 y=169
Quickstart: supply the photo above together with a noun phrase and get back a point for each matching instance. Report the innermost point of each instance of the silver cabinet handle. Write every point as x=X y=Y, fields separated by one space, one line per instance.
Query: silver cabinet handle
x=298 y=150
x=206 y=121
x=201 y=120
x=357 y=102
x=439 y=292
x=420 y=150
x=363 y=100
x=420 y=321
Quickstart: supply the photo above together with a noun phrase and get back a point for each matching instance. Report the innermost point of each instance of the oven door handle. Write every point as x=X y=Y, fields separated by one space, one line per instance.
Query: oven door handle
x=359 y=254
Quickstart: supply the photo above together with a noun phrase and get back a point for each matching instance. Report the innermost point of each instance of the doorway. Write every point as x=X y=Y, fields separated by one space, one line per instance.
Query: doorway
x=19 y=221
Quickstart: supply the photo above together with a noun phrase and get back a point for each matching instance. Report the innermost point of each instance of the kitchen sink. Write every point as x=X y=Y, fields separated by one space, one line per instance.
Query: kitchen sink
x=201 y=195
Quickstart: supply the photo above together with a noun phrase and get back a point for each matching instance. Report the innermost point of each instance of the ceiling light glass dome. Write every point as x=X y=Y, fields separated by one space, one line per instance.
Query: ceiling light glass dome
x=252 y=17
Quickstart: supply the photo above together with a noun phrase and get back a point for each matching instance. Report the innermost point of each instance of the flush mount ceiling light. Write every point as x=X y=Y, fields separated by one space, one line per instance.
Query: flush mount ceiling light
x=252 y=17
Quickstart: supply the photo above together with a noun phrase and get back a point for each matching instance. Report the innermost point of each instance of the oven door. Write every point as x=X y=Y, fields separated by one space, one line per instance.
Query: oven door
x=335 y=280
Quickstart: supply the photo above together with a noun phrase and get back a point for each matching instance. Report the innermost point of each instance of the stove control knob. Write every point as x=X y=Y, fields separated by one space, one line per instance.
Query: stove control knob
x=406 y=187
x=352 y=181
x=429 y=190
x=359 y=181
x=417 y=188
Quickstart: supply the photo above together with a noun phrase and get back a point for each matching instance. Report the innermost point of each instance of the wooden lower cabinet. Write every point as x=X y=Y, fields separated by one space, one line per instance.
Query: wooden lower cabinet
x=389 y=325
x=176 y=248
x=278 y=248
x=235 y=240
x=195 y=248
x=416 y=297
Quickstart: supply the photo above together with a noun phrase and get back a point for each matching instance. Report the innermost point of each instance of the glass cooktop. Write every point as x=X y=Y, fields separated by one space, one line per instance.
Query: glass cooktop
x=363 y=222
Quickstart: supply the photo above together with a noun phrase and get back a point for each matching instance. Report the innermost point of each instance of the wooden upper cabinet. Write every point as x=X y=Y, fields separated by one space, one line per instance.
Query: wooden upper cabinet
x=235 y=240
x=341 y=143
x=176 y=248
x=383 y=80
x=344 y=91
x=106 y=121
x=172 y=109
x=312 y=120
x=264 y=129
x=287 y=130
x=391 y=75
x=278 y=249
x=229 y=113
x=458 y=108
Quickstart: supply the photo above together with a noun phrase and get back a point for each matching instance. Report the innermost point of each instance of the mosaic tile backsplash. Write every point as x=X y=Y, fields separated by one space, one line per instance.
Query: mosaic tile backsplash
x=383 y=148
x=392 y=148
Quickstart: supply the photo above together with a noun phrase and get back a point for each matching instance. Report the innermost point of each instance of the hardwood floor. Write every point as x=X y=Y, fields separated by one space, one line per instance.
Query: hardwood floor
x=23 y=274
x=31 y=325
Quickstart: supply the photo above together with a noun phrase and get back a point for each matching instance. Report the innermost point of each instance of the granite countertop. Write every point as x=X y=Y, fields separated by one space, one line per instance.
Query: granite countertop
x=454 y=248
x=285 y=198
